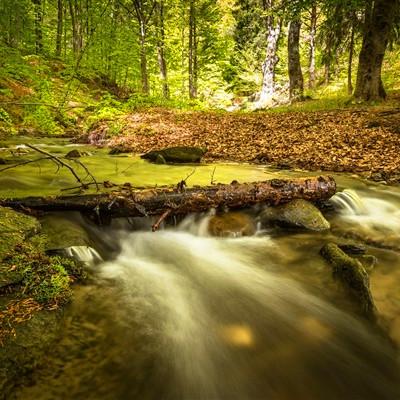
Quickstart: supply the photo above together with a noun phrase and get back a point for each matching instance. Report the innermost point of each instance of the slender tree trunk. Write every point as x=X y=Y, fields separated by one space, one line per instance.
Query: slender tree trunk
x=161 y=49
x=273 y=28
x=192 y=51
x=76 y=23
x=350 y=66
x=328 y=62
x=296 y=87
x=369 y=84
x=38 y=26
x=312 y=49
x=60 y=14
x=143 y=57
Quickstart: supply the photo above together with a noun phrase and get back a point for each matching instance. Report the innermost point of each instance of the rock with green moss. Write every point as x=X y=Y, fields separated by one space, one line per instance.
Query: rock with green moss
x=15 y=227
x=179 y=154
x=21 y=354
x=15 y=230
x=298 y=213
x=62 y=232
x=231 y=224
x=353 y=275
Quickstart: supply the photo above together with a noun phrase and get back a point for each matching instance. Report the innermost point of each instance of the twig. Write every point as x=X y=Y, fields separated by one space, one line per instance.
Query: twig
x=194 y=170
x=57 y=161
x=88 y=172
x=212 y=176
x=182 y=184
x=155 y=227
x=24 y=163
x=79 y=187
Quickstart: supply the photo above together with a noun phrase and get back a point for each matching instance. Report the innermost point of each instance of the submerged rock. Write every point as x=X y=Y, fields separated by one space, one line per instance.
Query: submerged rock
x=73 y=154
x=298 y=213
x=353 y=275
x=21 y=354
x=353 y=249
x=231 y=224
x=180 y=154
x=120 y=149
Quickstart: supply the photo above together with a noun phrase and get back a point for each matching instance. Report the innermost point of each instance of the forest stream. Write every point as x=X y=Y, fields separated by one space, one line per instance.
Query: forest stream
x=180 y=314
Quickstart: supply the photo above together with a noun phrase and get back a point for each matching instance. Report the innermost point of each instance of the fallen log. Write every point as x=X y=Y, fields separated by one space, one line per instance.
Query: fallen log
x=132 y=203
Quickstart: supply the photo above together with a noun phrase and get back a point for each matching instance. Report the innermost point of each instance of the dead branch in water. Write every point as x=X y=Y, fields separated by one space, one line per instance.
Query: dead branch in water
x=60 y=163
x=127 y=202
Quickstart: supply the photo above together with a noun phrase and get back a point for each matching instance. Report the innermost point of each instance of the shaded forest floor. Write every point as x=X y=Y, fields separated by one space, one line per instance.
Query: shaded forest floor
x=364 y=141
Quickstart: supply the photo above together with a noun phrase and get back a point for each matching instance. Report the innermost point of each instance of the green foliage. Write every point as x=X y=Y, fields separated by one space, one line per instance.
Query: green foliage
x=42 y=119
x=5 y=117
x=46 y=279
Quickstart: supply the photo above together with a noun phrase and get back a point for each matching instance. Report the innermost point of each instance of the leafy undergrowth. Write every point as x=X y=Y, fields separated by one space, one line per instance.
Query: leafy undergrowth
x=37 y=282
x=364 y=140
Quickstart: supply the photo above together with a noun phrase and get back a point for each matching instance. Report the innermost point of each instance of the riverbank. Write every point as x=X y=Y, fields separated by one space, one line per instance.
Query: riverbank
x=363 y=141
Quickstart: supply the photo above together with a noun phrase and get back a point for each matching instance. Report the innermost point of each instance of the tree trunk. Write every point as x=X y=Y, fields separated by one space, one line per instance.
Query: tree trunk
x=350 y=66
x=273 y=28
x=377 y=29
x=143 y=58
x=158 y=201
x=60 y=14
x=77 y=39
x=312 y=49
x=192 y=50
x=38 y=26
x=296 y=87
x=161 y=49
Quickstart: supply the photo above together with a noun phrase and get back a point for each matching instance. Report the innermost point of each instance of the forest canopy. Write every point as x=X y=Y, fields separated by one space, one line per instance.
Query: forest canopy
x=219 y=52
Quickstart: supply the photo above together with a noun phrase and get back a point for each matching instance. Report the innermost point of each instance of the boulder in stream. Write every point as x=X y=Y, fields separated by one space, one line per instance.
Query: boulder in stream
x=231 y=224
x=73 y=154
x=353 y=275
x=297 y=213
x=179 y=154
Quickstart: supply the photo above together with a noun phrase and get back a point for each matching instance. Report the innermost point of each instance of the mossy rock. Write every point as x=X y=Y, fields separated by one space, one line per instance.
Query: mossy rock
x=231 y=224
x=21 y=354
x=353 y=275
x=62 y=232
x=15 y=227
x=298 y=213
x=180 y=154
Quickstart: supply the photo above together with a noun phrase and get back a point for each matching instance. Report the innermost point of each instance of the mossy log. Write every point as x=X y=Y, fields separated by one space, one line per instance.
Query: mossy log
x=353 y=275
x=132 y=203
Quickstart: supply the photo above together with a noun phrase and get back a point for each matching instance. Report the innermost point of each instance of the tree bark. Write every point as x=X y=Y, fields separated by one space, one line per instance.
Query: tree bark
x=312 y=49
x=271 y=58
x=161 y=49
x=193 y=73
x=296 y=88
x=157 y=201
x=143 y=59
x=350 y=65
x=377 y=29
x=38 y=26
x=60 y=14
x=77 y=38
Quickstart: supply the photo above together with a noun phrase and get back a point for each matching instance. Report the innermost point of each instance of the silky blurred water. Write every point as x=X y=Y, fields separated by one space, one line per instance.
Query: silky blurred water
x=178 y=314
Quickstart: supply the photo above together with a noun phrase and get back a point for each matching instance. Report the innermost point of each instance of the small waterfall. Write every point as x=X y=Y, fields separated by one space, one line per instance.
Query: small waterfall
x=349 y=202
x=219 y=325
x=85 y=254
x=374 y=216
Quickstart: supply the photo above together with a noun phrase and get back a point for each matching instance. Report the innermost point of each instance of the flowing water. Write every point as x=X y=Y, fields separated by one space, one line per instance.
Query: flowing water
x=178 y=314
